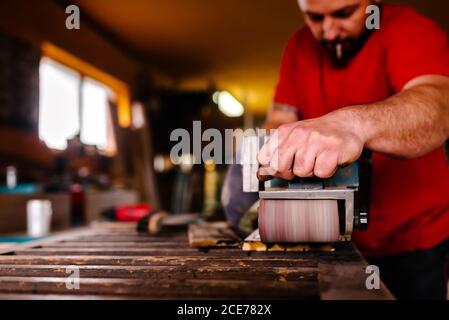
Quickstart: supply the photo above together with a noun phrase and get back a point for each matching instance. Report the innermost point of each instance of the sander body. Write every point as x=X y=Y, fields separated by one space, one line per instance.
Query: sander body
x=309 y=210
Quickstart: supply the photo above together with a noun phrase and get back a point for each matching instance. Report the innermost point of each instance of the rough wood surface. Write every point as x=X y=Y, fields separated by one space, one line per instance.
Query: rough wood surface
x=217 y=234
x=114 y=262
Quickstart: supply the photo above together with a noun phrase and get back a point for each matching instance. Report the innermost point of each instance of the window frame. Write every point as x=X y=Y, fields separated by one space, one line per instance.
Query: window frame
x=85 y=70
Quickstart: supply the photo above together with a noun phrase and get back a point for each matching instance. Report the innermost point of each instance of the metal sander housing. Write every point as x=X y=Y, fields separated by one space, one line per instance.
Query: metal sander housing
x=349 y=186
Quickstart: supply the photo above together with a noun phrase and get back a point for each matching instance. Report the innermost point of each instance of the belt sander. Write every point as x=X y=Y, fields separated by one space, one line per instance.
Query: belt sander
x=309 y=210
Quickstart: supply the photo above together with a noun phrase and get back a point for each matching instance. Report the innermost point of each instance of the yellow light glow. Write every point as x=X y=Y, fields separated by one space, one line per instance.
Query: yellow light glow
x=229 y=105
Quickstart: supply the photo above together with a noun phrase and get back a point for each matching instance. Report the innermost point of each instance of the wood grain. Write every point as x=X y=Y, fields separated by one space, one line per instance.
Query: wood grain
x=114 y=262
x=215 y=234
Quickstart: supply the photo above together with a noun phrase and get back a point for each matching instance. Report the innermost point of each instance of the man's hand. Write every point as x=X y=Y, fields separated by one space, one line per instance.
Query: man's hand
x=313 y=147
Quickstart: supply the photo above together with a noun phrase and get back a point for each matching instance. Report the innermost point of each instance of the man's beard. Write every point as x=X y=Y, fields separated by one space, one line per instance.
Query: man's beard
x=341 y=51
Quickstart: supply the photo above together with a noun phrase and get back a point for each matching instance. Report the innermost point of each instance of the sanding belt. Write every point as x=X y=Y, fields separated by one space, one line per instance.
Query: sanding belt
x=280 y=221
x=298 y=221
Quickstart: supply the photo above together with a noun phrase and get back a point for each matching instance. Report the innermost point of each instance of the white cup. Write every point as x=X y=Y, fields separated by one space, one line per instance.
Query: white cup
x=39 y=214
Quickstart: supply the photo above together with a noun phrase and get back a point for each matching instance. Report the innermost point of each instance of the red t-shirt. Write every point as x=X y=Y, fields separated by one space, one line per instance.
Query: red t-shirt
x=409 y=198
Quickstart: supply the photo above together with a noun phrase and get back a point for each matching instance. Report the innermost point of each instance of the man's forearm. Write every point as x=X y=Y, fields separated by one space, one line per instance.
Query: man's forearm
x=407 y=125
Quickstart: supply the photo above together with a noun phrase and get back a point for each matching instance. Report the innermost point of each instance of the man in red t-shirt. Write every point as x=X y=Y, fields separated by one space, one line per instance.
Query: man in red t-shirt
x=386 y=90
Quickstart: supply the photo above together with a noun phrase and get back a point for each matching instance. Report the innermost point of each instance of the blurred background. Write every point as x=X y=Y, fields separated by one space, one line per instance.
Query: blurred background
x=86 y=115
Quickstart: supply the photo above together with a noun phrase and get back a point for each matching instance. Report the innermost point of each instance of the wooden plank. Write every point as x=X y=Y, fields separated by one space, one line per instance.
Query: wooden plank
x=88 y=234
x=21 y=296
x=164 y=272
x=112 y=226
x=116 y=251
x=171 y=289
x=134 y=234
x=7 y=245
x=193 y=262
x=135 y=238
x=214 y=234
x=129 y=244
x=146 y=251
x=116 y=262
x=57 y=236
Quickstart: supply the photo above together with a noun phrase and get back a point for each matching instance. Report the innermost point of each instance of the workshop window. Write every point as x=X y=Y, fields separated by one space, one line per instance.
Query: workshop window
x=96 y=118
x=71 y=104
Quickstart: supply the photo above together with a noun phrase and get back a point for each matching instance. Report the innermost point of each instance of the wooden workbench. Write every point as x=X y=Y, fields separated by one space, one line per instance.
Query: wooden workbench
x=116 y=262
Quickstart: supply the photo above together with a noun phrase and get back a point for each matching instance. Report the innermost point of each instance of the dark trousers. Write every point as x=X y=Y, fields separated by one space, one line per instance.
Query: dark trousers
x=418 y=275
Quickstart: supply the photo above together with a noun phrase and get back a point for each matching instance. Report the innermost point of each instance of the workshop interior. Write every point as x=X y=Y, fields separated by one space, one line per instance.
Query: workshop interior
x=131 y=135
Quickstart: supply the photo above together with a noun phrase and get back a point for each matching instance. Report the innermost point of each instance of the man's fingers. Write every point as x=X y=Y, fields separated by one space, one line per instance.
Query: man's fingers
x=275 y=140
x=305 y=162
x=297 y=140
x=282 y=159
x=265 y=171
x=326 y=164
x=263 y=177
x=267 y=150
x=282 y=162
x=281 y=148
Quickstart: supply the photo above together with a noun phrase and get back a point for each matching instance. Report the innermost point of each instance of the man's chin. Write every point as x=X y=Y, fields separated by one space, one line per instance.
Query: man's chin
x=340 y=62
x=343 y=51
x=341 y=54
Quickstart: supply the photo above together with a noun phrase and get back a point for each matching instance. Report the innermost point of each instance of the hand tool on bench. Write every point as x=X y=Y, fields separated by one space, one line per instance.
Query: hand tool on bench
x=159 y=221
x=128 y=213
